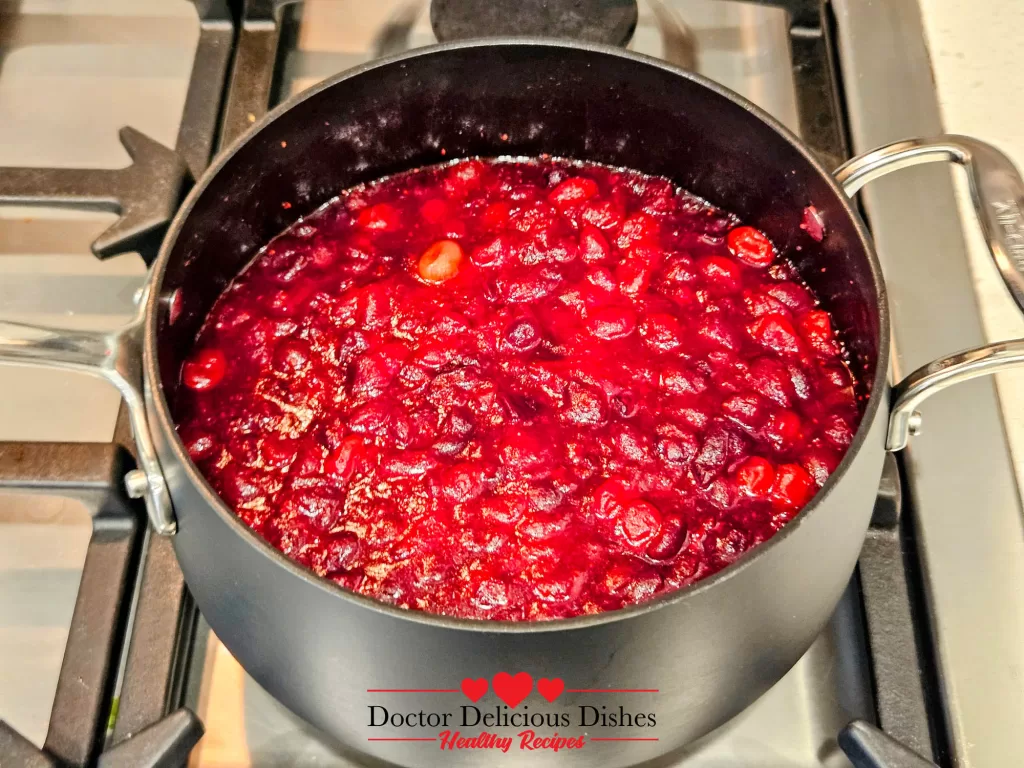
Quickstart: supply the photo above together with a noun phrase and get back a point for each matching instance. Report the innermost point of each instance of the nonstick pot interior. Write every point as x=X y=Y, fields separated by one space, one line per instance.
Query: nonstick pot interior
x=515 y=98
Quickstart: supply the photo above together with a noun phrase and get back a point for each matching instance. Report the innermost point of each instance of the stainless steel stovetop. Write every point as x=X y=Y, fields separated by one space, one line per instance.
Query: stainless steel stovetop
x=904 y=649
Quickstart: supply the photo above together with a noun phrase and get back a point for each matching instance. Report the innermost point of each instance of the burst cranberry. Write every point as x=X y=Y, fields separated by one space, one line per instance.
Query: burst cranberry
x=751 y=247
x=495 y=252
x=633 y=276
x=637 y=228
x=721 y=274
x=584 y=418
x=593 y=245
x=639 y=523
x=793 y=487
x=521 y=335
x=573 y=191
x=776 y=333
x=347 y=458
x=603 y=214
x=612 y=323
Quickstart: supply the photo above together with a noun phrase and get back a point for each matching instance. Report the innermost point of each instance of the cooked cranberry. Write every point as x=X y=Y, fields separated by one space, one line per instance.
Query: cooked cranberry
x=521 y=335
x=662 y=332
x=517 y=390
x=638 y=523
x=793 y=487
x=637 y=228
x=382 y=216
x=816 y=327
x=291 y=356
x=633 y=276
x=603 y=214
x=495 y=252
x=721 y=274
x=496 y=215
x=751 y=247
x=593 y=245
x=776 y=333
x=199 y=444
x=670 y=539
x=612 y=323
x=573 y=191
x=347 y=458
x=204 y=370
x=755 y=477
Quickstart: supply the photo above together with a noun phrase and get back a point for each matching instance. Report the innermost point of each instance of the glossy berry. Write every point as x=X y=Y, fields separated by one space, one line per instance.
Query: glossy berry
x=793 y=487
x=573 y=191
x=755 y=477
x=750 y=246
x=517 y=390
x=816 y=328
x=204 y=370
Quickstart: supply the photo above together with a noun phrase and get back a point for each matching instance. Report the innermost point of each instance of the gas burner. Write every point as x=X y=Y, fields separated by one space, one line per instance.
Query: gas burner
x=594 y=21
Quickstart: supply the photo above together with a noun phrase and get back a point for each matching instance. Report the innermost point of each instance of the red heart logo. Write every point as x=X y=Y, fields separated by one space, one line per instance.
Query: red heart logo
x=550 y=689
x=474 y=689
x=512 y=690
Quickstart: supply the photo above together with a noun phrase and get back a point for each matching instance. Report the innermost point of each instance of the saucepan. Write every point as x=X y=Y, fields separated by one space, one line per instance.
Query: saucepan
x=693 y=658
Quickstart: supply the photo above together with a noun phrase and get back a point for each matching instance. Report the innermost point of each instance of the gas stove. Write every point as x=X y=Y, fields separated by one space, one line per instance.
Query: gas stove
x=103 y=657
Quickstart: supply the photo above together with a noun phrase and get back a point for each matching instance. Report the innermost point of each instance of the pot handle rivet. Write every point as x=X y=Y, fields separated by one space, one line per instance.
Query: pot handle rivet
x=997 y=192
x=136 y=484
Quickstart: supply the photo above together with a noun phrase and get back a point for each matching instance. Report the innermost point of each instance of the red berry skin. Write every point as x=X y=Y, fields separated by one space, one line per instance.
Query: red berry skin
x=573 y=191
x=347 y=458
x=751 y=247
x=612 y=323
x=776 y=332
x=593 y=247
x=816 y=328
x=793 y=487
x=755 y=477
x=722 y=276
x=205 y=370
x=638 y=523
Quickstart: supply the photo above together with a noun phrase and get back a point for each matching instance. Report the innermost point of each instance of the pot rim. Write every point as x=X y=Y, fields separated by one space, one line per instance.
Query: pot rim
x=158 y=409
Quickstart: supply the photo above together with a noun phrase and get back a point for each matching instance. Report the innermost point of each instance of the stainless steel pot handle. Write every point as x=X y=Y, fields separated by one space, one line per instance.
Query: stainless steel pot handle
x=116 y=357
x=997 y=192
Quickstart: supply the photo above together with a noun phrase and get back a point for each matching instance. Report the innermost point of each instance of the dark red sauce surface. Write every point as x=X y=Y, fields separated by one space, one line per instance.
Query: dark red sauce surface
x=517 y=390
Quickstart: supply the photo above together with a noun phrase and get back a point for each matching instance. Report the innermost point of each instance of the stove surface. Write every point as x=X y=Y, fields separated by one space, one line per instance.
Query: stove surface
x=74 y=71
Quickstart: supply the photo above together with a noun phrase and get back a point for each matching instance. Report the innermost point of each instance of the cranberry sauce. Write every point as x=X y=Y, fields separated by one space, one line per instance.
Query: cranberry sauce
x=517 y=390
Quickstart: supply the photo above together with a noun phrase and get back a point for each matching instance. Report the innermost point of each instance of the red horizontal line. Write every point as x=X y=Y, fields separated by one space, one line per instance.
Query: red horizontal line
x=611 y=690
x=625 y=739
x=412 y=690
x=401 y=739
